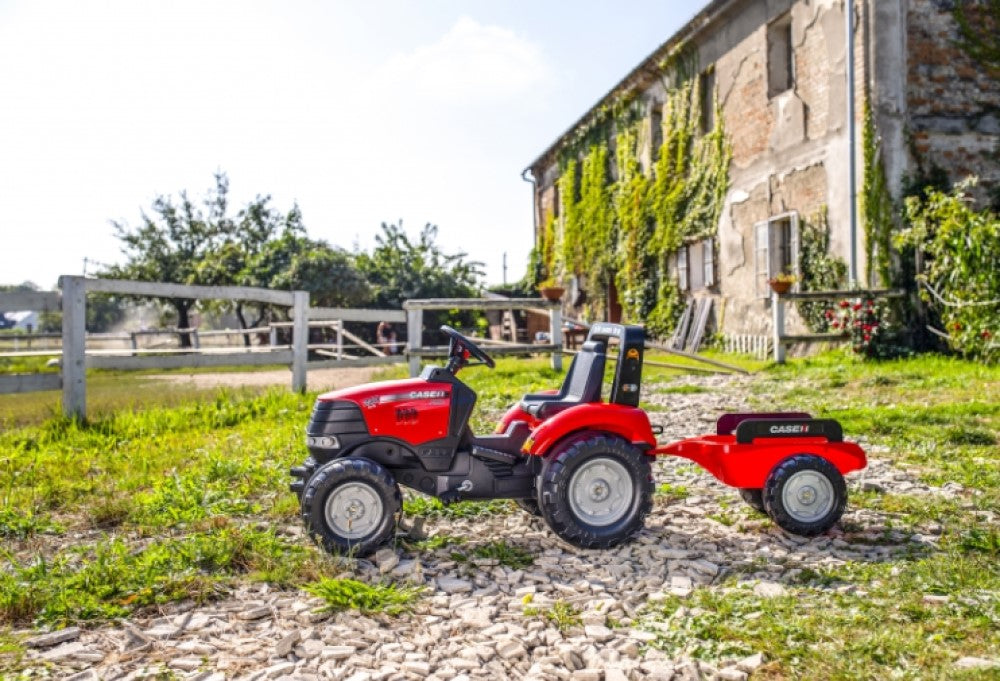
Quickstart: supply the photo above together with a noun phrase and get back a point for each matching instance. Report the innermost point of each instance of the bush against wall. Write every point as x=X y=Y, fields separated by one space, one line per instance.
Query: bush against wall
x=820 y=271
x=960 y=249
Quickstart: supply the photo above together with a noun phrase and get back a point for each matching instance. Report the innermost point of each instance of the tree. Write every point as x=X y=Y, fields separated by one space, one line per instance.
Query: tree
x=400 y=268
x=171 y=244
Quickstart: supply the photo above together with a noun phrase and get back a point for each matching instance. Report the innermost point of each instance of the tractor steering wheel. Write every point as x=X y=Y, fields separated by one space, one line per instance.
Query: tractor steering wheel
x=457 y=348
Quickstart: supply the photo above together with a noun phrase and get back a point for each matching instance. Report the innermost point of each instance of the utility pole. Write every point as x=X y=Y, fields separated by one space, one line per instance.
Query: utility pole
x=851 y=141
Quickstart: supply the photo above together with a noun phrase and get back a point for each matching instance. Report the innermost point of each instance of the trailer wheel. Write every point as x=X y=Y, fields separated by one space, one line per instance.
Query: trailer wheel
x=350 y=505
x=596 y=492
x=754 y=498
x=529 y=506
x=805 y=495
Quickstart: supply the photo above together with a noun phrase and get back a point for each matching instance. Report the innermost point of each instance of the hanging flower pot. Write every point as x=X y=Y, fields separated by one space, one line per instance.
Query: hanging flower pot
x=782 y=283
x=553 y=293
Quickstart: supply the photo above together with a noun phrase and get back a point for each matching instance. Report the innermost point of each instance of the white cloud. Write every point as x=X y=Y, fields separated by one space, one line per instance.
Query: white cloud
x=471 y=63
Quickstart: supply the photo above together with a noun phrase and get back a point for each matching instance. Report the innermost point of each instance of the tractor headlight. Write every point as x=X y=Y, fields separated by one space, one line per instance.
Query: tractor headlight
x=323 y=441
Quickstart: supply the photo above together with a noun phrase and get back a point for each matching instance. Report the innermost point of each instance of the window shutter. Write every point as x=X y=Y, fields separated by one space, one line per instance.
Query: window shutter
x=793 y=248
x=709 y=262
x=682 y=268
x=761 y=259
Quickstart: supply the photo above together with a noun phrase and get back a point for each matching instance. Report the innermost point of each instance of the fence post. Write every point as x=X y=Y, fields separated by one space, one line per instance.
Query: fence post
x=74 y=335
x=778 y=312
x=340 y=339
x=300 y=339
x=555 y=334
x=414 y=332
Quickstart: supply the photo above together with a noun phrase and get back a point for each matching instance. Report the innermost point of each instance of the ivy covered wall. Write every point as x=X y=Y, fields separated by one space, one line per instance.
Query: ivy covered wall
x=619 y=223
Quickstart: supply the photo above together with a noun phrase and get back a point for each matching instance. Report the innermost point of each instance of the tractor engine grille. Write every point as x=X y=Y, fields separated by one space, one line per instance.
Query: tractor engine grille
x=334 y=428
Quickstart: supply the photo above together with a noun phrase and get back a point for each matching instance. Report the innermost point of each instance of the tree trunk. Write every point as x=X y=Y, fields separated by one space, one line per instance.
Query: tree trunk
x=183 y=321
x=243 y=323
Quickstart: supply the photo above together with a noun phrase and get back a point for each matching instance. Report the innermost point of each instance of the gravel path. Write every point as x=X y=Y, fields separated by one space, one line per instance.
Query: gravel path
x=481 y=620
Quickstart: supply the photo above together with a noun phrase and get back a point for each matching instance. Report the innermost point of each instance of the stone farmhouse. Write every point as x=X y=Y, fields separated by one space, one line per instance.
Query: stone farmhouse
x=777 y=71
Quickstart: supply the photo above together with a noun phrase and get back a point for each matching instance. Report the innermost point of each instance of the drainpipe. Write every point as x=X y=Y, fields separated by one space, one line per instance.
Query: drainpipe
x=851 y=141
x=534 y=188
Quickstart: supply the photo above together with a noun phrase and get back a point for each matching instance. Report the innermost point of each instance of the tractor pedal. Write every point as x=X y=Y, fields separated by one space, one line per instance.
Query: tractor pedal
x=495 y=455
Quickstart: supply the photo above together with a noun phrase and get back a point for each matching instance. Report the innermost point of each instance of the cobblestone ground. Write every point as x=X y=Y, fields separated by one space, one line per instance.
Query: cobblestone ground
x=480 y=619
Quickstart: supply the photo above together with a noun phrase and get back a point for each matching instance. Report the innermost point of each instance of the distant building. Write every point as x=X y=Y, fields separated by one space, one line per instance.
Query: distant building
x=24 y=320
x=778 y=71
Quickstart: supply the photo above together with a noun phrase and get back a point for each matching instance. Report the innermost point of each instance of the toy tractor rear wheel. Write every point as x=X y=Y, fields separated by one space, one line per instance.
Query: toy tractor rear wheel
x=754 y=498
x=805 y=494
x=596 y=491
x=350 y=506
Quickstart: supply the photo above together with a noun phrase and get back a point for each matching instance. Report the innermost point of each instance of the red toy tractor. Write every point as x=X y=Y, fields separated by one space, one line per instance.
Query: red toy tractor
x=581 y=463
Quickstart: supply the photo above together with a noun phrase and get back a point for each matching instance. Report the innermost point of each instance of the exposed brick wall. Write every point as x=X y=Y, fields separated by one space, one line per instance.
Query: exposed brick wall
x=742 y=86
x=953 y=103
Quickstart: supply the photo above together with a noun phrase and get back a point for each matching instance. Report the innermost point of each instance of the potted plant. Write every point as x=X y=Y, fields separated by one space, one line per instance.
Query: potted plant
x=550 y=289
x=782 y=283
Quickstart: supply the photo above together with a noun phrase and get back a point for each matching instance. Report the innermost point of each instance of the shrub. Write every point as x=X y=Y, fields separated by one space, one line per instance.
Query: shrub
x=961 y=277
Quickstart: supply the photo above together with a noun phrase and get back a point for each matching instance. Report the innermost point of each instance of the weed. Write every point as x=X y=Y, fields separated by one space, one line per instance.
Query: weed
x=350 y=594
x=438 y=541
x=505 y=554
x=671 y=493
x=432 y=507
x=14 y=525
x=563 y=615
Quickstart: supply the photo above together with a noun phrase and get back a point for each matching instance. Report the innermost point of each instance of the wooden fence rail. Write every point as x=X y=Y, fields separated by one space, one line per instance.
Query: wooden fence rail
x=778 y=300
x=415 y=324
x=76 y=360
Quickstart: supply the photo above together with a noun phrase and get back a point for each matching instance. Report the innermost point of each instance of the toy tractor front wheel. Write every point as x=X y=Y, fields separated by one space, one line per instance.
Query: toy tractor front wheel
x=805 y=495
x=596 y=491
x=350 y=505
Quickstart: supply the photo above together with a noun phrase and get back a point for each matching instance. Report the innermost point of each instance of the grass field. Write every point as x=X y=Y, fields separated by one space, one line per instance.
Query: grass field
x=163 y=496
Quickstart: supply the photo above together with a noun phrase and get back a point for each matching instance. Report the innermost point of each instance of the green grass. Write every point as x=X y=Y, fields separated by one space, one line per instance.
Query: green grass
x=432 y=507
x=164 y=491
x=350 y=594
x=112 y=579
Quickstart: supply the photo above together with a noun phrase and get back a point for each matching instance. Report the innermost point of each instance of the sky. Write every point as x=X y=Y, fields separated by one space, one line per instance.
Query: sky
x=360 y=112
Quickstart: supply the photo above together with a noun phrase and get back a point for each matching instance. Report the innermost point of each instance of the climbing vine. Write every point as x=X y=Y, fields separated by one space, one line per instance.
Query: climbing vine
x=876 y=204
x=624 y=231
x=820 y=271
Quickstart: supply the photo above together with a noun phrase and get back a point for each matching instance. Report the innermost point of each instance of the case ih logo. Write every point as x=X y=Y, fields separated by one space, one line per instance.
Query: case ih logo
x=789 y=429
x=371 y=402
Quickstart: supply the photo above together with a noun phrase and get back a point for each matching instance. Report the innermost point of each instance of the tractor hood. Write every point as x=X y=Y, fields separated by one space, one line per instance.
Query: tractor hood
x=370 y=395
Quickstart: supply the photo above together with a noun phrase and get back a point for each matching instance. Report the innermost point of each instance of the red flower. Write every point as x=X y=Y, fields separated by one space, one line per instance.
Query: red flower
x=844 y=303
x=986 y=333
x=856 y=307
x=866 y=327
x=836 y=325
x=867 y=337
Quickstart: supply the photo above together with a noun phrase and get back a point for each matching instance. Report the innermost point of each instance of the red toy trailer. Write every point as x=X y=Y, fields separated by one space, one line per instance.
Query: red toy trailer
x=581 y=463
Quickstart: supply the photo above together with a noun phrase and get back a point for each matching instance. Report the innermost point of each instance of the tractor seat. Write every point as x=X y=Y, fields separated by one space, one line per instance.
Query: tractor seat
x=582 y=384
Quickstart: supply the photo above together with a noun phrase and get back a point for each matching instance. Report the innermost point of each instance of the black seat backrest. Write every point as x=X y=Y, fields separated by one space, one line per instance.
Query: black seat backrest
x=583 y=382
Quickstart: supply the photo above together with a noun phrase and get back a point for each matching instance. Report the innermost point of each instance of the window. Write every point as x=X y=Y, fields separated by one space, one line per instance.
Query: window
x=780 y=56
x=706 y=83
x=708 y=262
x=682 y=268
x=776 y=250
